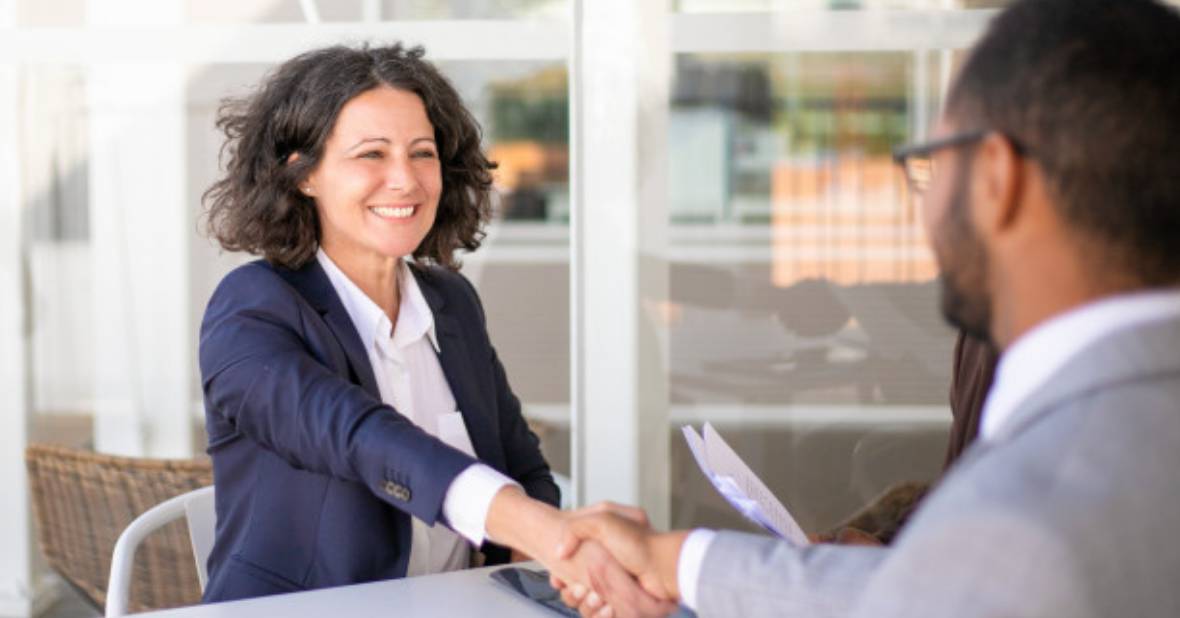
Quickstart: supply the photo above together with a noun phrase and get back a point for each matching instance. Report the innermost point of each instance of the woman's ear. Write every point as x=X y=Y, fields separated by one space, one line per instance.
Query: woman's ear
x=305 y=185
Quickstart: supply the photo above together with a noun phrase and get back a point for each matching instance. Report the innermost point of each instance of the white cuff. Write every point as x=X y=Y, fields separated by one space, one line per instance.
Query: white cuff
x=692 y=558
x=465 y=507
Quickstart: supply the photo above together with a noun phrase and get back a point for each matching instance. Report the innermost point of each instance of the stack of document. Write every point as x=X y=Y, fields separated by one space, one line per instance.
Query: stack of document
x=740 y=486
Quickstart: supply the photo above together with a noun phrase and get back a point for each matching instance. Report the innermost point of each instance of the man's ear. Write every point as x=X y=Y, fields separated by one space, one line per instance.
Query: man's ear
x=996 y=184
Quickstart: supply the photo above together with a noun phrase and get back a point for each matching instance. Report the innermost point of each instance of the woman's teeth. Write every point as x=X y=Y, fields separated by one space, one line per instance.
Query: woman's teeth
x=390 y=211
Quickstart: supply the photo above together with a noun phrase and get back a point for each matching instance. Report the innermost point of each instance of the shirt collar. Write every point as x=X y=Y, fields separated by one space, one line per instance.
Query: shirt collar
x=1030 y=362
x=414 y=316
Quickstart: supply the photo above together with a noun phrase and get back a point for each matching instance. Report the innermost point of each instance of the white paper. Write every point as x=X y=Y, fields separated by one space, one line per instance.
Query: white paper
x=740 y=486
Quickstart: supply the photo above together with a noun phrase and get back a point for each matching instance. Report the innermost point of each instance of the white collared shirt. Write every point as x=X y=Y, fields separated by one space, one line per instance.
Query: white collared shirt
x=410 y=379
x=1023 y=369
x=1033 y=358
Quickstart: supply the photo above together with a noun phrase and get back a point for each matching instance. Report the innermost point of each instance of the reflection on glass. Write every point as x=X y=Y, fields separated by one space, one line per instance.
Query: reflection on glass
x=787 y=160
x=529 y=131
x=804 y=317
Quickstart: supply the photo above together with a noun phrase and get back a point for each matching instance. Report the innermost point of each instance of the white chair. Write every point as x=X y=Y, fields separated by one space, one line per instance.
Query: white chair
x=196 y=506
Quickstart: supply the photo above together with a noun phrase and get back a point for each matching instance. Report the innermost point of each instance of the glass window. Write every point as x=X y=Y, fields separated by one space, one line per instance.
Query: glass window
x=779 y=6
x=803 y=321
x=50 y=13
x=283 y=11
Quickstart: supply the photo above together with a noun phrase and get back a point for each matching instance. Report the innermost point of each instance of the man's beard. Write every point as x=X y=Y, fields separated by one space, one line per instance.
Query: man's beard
x=962 y=259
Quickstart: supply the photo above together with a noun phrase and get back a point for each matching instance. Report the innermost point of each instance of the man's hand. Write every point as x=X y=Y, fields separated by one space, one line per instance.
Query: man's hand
x=623 y=531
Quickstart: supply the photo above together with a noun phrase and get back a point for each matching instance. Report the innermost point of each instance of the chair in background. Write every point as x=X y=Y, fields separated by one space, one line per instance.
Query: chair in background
x=197 y=507
x=83 y=501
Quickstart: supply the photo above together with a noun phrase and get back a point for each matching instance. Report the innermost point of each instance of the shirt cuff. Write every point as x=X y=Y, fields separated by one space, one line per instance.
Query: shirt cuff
x=692 y=558
x=465 y=507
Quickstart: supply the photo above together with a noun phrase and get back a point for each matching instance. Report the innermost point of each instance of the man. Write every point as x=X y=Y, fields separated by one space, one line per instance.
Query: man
x=1052 y=201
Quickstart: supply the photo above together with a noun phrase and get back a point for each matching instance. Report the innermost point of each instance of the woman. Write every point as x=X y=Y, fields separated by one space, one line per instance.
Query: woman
x=348 y=391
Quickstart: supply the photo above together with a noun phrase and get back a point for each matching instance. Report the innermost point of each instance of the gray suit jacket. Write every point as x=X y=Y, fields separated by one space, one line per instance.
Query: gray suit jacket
x=1073 y=511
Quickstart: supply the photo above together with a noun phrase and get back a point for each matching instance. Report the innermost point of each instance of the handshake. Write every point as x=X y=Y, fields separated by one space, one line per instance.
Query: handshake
x=605 y=559
x=608 y=562
x=611 y=564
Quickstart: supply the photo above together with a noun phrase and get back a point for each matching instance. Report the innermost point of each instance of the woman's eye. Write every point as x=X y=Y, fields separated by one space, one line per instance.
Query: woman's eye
x=372 y=154
x=424 y=154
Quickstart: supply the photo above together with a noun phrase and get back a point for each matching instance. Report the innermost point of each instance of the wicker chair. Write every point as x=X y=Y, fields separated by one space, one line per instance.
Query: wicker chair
x=83 y=500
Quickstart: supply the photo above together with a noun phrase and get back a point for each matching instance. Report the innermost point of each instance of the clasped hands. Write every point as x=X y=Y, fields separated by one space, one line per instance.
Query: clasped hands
x=607 y=537
x=605 y=559
x=630 y=569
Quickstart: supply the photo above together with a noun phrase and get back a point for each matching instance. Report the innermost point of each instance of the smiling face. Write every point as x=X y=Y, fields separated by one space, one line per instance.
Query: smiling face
x=378 y=182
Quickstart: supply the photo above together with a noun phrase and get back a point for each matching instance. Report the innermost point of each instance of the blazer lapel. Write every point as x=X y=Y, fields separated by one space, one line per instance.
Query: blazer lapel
x=454 y=357
x=313 y=284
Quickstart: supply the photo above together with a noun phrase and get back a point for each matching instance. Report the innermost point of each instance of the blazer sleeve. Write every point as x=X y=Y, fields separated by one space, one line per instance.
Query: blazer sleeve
x=272 y=370
x=524 y=461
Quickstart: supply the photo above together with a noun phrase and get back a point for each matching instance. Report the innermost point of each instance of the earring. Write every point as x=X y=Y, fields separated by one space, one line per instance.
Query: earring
x=307 y=190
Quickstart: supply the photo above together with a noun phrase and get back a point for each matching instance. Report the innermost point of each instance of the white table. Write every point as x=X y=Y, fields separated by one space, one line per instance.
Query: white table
x=461 y=594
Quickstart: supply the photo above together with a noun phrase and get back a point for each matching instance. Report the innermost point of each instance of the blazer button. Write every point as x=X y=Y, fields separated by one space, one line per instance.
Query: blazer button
x=395 y=490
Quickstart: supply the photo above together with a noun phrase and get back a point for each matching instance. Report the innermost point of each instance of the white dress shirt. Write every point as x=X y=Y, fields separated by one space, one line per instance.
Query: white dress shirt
x=411 y=380
x=1024 y=368
x=1032 y=359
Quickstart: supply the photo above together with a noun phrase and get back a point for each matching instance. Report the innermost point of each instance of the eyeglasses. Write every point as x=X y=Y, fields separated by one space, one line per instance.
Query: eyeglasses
x=917 y=160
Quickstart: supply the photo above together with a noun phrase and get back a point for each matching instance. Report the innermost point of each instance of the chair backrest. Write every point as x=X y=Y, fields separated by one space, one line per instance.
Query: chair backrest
x=196 y=506
x=83 y=501
x=201 y=514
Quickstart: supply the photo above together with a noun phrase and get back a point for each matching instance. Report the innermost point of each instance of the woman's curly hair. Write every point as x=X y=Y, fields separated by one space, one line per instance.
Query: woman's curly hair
x=257 y=206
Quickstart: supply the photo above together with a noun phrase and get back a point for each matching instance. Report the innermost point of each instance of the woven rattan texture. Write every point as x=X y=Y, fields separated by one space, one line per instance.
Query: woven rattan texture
x=83 y=500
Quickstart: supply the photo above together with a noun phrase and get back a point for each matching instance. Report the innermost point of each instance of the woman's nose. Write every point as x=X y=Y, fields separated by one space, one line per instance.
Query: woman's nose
x=399 y=176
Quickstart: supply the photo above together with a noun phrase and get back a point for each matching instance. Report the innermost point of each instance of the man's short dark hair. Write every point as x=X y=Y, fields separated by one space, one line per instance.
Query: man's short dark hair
x=1091 y=88
x=257 y=207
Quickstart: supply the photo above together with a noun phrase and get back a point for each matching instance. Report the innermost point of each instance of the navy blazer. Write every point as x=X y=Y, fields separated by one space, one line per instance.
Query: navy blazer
x=316 y=477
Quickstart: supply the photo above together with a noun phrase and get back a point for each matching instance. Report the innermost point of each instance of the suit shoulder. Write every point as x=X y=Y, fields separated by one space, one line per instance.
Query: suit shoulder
x=254 y=284
x=257 y=272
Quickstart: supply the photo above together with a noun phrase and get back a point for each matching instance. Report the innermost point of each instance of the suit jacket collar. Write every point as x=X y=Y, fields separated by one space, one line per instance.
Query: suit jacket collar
x=1128 y=355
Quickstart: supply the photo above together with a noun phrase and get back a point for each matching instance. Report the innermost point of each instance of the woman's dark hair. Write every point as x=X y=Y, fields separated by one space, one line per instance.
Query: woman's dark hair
x=257 y=206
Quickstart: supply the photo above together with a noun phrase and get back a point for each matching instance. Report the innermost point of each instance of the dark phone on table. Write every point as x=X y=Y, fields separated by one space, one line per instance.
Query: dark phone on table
x=533 y=585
